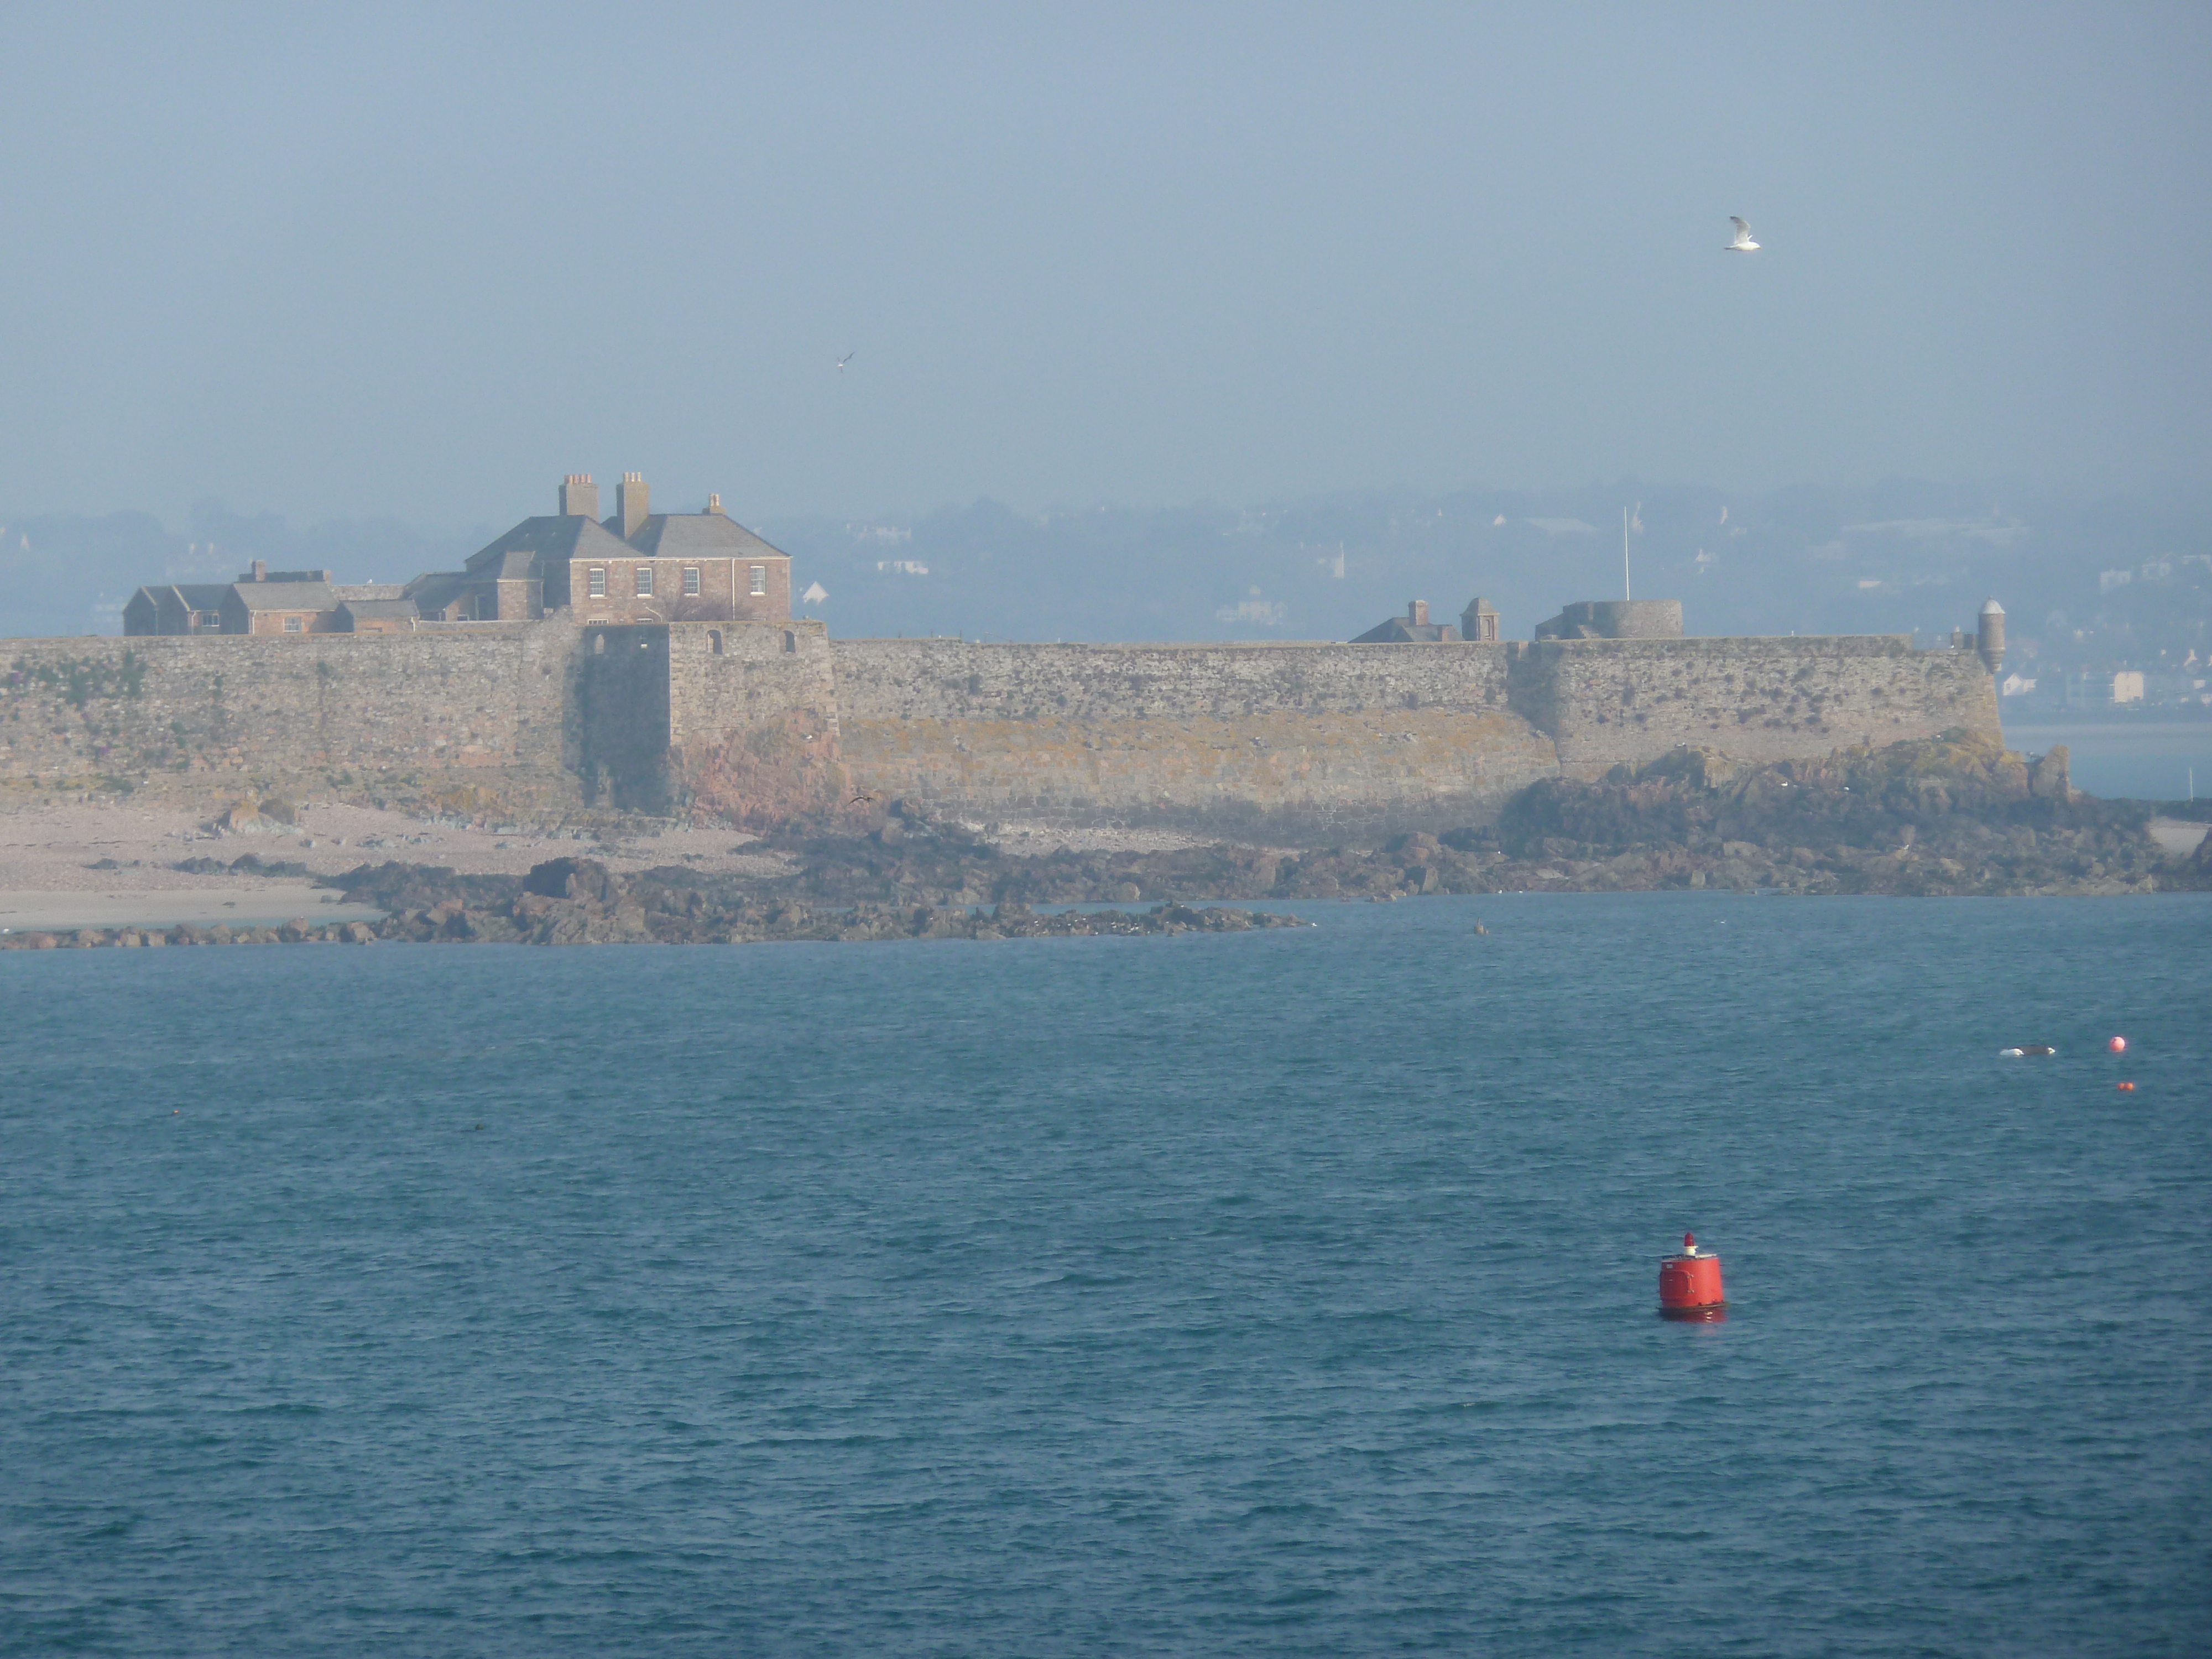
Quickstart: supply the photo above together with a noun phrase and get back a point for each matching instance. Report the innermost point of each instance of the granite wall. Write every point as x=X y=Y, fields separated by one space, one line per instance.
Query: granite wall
x=1323 y=741
x=734 y=719
x=758 y=722
x=1608 y=702
x=488 y=704
x=1290 y=742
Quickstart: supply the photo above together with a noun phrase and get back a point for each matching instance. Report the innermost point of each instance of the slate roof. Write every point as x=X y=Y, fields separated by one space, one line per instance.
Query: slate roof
x=192 y=596
x=347 y=590
x=285 y=596
x=363 y=609
x=699 y=536
x=548 y=537
x=434 y=592
x=1399 y=631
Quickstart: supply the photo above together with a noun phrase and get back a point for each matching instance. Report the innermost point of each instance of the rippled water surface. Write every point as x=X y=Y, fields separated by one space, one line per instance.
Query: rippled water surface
x=1284 y=1293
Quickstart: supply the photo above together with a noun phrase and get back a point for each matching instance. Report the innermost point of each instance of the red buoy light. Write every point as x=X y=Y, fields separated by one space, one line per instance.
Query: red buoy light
x=1690 y=1284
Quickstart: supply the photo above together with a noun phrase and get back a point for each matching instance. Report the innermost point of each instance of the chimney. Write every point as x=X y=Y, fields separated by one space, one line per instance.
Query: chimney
x=580 y=496
x=261 y=570
x=1990 y=639
x=714 y=507
x=1417 y=613
x=631 y=507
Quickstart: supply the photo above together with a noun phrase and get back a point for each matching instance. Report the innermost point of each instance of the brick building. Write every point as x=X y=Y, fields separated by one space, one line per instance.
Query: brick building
x=635 y=566
x=261 y=601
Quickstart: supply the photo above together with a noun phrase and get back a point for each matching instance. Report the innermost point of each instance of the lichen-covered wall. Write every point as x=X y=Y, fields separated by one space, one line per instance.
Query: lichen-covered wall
x=489 y=705
x=1319 y=741
x=759 y=723
x=753 y=721
x=1292 y=741
x=1609 y=702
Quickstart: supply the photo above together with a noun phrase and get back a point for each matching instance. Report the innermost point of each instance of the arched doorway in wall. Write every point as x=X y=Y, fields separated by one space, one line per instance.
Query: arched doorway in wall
x=598 y=644
x=714 y=640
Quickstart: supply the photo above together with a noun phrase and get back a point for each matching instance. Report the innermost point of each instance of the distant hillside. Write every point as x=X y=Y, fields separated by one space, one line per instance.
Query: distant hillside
x=2084 y=581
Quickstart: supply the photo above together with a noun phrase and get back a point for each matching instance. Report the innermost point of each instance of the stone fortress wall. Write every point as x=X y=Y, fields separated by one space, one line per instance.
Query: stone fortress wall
x=490 y=703
x=759 y=720
x=1322 y=740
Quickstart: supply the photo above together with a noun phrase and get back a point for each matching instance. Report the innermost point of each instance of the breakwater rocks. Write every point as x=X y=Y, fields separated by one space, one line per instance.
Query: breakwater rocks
x=1953 y=815
x=582 y=901
x=1956 y=814
x=300 y=932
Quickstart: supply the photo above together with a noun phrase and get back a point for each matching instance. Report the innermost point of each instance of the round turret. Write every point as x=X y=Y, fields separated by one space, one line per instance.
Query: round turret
x=1990 y=639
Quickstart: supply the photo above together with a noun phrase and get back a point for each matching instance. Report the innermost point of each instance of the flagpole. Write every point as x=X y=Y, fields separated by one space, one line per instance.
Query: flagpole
x=1624 y=593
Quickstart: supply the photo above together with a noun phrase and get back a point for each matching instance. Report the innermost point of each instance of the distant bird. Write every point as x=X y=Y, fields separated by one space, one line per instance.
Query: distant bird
x=1742 y=244
x=850 y=355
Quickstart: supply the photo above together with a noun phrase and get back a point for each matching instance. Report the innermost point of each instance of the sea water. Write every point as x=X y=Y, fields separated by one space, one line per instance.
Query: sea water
x=1286 y=1293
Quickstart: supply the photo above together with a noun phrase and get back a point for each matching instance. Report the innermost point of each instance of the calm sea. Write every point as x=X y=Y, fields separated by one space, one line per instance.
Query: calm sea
x=2145 y=760
x=1282 y=1293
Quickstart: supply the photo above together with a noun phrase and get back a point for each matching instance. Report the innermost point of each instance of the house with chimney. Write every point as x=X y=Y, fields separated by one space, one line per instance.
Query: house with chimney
x=633 y=566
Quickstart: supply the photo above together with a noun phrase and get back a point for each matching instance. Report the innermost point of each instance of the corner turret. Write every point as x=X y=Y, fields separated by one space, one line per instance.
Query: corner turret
x=1990 y=641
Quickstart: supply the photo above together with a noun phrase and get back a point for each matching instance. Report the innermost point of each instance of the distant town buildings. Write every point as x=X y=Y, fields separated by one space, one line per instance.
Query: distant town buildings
x=635 y=566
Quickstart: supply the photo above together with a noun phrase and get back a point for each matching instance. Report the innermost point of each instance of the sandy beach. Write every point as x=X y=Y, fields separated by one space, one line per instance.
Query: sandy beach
x=103 y=863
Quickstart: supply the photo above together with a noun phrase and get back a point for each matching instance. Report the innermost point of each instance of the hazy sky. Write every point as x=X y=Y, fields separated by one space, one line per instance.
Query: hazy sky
x=420 y=261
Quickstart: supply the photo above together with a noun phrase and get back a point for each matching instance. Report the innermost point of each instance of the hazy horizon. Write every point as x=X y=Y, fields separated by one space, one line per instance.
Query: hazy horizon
x=416 y=269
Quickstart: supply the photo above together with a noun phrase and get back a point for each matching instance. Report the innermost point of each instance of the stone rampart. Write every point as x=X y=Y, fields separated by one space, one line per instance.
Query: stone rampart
x=1312 y=741
x=1290 y=741
x=220 y=714
x=758 y=722
x=1606 y=702
x=736 y=719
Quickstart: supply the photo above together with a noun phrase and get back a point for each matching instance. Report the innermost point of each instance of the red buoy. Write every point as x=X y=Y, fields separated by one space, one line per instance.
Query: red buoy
x=1690 y=1284
x=2118 y=1045
x=2124 y=1088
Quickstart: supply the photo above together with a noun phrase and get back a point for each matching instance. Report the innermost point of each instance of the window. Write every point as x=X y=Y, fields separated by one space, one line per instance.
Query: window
x=294 y=624
x=599 y=581
x=690 y=581
x=645 y=581
x=598 y=644
x=760 y=579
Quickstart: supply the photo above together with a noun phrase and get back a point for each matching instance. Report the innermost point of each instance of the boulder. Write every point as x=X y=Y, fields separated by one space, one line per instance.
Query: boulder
x=2049 y=778
x=573 y=879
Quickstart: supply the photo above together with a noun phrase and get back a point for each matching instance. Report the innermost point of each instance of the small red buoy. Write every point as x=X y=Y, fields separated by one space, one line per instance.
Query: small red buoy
x=2118 y=1045
x=2125 y=1088
x=1690 y=1284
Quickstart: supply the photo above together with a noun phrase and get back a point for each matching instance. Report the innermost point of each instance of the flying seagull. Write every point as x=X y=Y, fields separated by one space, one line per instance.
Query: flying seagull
x=1744 y=244
x=850 y=355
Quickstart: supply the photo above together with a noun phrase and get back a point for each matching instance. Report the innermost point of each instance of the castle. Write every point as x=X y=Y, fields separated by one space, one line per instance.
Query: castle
x=649 y=662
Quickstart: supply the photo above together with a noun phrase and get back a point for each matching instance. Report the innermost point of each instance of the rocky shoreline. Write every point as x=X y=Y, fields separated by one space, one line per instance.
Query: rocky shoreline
x=1953 y=816
x=582 y=901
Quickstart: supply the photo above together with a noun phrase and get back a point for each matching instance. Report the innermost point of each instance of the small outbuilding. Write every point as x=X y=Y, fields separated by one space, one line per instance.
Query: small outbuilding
x=177 y=608
x=376 y=617
x=1414 y=628
x=1478 y=623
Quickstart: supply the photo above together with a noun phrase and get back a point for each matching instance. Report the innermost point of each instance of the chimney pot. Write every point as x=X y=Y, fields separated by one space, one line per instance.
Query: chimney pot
x=633 y=504
x=580 y=496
